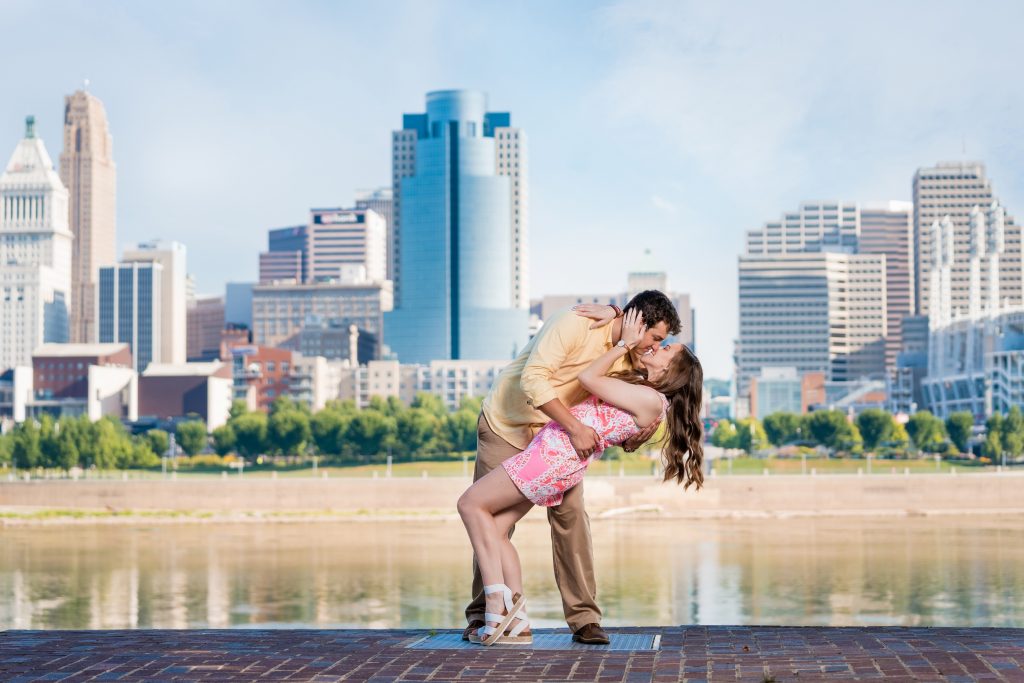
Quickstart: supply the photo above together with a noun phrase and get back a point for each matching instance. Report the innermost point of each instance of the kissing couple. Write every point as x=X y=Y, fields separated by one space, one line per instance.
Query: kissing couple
x=592 y=377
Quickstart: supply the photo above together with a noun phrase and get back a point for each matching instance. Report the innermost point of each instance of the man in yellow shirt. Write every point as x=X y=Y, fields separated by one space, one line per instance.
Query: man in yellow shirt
x=539 y=386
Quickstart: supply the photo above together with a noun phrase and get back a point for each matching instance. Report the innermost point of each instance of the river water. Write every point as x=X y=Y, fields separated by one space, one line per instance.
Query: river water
x=939 y=571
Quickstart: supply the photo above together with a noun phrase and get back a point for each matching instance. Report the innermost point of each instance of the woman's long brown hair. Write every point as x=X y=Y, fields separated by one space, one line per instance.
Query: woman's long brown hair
x=683 y=385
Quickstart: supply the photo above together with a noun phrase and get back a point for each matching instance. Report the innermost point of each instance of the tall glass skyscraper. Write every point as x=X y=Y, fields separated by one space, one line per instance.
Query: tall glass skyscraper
x=455 y=281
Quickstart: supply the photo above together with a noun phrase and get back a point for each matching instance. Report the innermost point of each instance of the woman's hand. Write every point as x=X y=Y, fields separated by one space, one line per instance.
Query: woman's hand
x=601 y=314
x=633 y=328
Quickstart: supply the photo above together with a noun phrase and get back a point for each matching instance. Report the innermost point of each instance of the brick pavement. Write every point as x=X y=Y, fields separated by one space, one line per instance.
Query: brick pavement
x=698 y=653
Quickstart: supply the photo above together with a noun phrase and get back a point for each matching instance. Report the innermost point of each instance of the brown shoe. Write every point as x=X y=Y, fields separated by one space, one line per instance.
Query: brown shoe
x=591 y=634
x=472 y=628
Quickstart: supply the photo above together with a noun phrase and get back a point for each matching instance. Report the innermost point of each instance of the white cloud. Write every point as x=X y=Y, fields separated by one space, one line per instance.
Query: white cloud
x=664 y=205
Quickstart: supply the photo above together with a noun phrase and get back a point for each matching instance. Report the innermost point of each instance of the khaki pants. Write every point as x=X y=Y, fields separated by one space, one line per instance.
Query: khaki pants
x=571 y=544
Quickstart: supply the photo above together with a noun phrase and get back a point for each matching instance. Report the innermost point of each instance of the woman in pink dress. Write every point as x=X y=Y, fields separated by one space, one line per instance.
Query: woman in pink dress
x=669 y=388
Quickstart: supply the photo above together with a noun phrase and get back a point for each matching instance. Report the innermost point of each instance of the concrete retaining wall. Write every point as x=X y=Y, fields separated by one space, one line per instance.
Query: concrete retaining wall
x=726 y=495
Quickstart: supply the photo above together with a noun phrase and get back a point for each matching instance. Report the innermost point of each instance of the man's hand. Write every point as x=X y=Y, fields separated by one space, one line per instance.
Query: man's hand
x=601 y=314
x=635 y=442
x=584 y=439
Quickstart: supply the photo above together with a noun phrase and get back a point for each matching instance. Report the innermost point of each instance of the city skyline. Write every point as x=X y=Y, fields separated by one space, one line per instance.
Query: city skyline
x=648 y=114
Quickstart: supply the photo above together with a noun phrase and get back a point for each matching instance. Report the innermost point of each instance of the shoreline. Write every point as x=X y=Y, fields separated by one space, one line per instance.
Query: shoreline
x=57 y=517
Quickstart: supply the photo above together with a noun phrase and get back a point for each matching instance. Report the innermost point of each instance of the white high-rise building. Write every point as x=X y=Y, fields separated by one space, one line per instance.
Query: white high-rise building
x=814 y=227
x=173 y=292
x=647 y=274
x=817 y=312
x=382 y=201
x=35 y=253
x=842 y=321
x=510 y=161
x=953 y=189
x=337 y=238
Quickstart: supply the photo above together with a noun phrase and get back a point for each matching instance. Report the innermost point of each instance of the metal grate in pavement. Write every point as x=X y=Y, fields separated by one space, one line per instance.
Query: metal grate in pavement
x=541 y=641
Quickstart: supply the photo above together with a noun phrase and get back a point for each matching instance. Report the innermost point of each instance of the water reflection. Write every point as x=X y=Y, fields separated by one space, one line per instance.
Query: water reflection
x=939 y=572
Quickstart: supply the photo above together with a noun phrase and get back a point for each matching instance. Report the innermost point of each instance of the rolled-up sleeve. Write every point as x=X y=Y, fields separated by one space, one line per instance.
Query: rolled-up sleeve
x=555 y=342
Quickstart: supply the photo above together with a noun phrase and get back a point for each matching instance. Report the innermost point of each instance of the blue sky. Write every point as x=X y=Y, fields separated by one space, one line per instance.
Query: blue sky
x=674 y=126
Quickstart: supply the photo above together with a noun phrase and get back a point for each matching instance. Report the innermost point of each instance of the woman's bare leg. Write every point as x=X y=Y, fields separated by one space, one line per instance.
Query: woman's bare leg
x=511 y=569
x=491 y=497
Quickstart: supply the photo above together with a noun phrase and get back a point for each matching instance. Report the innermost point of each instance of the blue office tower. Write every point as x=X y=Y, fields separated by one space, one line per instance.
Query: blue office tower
x=454 y=288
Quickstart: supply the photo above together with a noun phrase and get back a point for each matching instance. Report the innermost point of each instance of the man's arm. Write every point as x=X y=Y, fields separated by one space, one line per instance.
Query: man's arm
x=558 y=338
x=635 y=442
x=583 y=438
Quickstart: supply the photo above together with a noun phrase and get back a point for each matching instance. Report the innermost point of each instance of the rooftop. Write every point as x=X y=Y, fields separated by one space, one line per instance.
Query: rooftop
x=76 y=350
x=198 y=369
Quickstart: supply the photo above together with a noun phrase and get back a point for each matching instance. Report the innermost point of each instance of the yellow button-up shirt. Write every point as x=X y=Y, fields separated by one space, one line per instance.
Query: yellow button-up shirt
x=548 y=368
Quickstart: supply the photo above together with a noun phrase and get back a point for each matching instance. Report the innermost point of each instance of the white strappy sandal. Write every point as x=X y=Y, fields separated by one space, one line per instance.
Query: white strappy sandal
x=489 y=635
x=520 y=633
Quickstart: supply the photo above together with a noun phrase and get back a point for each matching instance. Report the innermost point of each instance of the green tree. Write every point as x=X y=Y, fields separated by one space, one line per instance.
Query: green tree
x=1012 y=432
x=238 y=409
x=959 y=426
x=414 y=430
x=370 y=432
x=328 y=430
x=6 y=448
x=471 y=403
x=430 y=403
x=25 y=450
x=926 y=430
x=461 y=428
x=159 y=441
x=395 y=406
x=724 y=435
x=223 y=439
x=67 y=446
x=285 y=404
x=110 y=445
x=288 y=431
x=250 y=433
x=347 y=407
x=47 y=441
x=191 y=436
x=875 y=426
x=750 y=435
x=142 y=454
x=992 y=447
x=899 y=437
x=781 y=428
x=849 y=438
x=828 y=427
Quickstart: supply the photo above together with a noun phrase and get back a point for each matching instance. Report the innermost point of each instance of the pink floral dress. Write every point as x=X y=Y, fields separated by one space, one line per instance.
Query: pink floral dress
x=550 y=466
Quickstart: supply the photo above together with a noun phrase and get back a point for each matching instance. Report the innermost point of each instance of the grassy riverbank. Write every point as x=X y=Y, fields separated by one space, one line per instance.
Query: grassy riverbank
x=629 y=466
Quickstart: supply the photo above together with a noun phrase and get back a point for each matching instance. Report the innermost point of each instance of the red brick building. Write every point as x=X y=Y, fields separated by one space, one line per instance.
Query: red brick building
x=168 y=391
x=62 y=370
x=260 y=373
